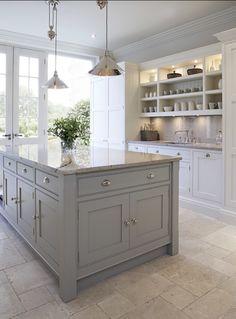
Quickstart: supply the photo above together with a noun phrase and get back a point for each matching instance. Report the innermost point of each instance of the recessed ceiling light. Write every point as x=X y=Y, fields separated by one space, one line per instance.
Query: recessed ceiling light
x=93 y=36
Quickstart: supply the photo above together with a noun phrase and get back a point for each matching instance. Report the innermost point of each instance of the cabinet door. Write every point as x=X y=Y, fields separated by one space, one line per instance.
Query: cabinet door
x=149 y=215
x=116 y=92
x=103 y=232
x=26 y=209
x=184 y=178
x=47 y=224
x=137 y=148
x=10 y=197
x=207 y=176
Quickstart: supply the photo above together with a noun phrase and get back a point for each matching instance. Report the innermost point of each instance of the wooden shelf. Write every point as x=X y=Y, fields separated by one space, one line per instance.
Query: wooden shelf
x=148 y=84
x=183 y=113
x=214 y=92
x=183 y=78
x=180 y=96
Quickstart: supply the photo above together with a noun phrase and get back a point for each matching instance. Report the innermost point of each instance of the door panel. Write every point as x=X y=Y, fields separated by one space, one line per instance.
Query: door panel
x=26 y=209
x=47 y=224
x=184 y=178
x=10 y=197
x=102 y=229
x=149 y=215
x=116 y=92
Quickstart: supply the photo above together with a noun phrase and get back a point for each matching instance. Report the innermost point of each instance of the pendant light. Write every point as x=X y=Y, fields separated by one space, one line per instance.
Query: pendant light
x=55 y=82
x=107 y=66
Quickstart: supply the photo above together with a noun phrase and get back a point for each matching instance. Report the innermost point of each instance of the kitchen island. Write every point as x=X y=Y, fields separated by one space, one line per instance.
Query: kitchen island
x=90 y=215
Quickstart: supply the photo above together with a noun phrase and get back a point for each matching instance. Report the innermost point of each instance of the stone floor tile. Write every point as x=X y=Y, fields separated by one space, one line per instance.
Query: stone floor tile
x=48 y=311
x=210 y=306
x=116 y=305
x=161 y=282
x=35 y=298
x=216 y=264
x=9 y=303
x=93 y=312
x=178 y=296
x=3 y=235
x=186 y=215
x=222 y=240
x=229 y=286
x=231 y=258
x=3 y=278
x=9 y=256
x=28 y=276
x=193 y=276
x=190 y=248
x=25 y=251
x=230 y=314
x=218 y=252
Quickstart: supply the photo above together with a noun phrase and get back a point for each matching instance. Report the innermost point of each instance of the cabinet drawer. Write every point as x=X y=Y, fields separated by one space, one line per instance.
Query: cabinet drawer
x=47 y=181
x=113 y=182
x=9 y=164
x=185 y=154
x=153 y=150
x=137 y=148
x=25 y=171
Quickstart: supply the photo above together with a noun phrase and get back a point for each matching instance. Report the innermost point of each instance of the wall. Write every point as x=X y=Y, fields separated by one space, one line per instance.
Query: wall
x=204 y=128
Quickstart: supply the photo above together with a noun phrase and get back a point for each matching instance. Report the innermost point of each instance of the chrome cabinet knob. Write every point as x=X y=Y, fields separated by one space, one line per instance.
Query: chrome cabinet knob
x=178 y=154
x=126 y=222
x=150 y=176
x=208 y=155
x=46 y=180
x=134 y=220
x=9 y=163
x=106 y=182
x=24 y=170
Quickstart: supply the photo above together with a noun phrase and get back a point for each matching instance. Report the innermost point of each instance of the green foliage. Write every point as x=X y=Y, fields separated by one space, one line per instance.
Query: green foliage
x=75 y=125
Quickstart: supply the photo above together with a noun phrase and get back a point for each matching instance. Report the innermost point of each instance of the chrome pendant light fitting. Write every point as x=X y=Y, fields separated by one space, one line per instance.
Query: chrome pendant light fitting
x=107 y=66
x=55 y=82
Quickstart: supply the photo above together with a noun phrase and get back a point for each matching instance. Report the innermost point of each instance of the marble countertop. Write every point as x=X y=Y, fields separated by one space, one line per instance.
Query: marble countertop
x=83 y=160
x=209 y=146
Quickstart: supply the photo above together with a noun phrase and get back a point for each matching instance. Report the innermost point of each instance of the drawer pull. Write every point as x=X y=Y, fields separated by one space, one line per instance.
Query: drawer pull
x=178 y=154
x=208 y=155
x=46 y=180
x=24 y=170
x=126 y=222
x=15 y=200
x=150 y=176
x=106 y=182
x=9 y=163
x=134 y=220
x=157 y=151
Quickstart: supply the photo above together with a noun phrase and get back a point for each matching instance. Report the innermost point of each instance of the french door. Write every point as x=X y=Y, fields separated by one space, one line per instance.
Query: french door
x=23 y=108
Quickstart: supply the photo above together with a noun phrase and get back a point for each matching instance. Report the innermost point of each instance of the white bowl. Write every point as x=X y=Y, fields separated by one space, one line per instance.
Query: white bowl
x=199 y=106
x=168 y=108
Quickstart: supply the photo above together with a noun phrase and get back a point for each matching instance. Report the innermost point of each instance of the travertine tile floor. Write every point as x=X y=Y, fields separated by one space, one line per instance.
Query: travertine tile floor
x=199 y=283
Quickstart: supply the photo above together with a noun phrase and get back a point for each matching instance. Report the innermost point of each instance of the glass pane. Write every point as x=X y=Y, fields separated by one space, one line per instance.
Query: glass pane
x=24 y=66
x=2 y=63
x=2 y=114
x=34 y=87
x=2 y=85
x=23 y=86
x=34 y=67
x=28 y=116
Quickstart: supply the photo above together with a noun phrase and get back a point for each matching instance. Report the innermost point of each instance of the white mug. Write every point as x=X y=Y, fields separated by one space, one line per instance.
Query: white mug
x=191 y=105
x=177 y=106
x=184 y=106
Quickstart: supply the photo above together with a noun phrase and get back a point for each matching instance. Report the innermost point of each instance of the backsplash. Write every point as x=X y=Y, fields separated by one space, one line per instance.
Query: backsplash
x=204 y=128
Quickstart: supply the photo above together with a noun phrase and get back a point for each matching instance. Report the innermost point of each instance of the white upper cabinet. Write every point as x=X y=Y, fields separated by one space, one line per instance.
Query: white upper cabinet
x=116 y=92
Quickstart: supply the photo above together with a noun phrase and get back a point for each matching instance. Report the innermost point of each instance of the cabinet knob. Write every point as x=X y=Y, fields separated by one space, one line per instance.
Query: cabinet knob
x=157 y=151
x=134 y=220
x=150 y=176
x=106 y=182
x=126 y=222
x=46 y=180
x=208 y=155
x=24 y=170
x=9 y=163
x=178 y=154
x=15 y=200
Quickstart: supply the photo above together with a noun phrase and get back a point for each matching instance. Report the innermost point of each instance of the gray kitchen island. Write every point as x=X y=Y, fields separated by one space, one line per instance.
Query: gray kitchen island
x=92 y=213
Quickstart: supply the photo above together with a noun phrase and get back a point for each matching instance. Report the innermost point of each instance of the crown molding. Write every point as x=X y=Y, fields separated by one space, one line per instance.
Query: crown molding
x=218 y=21
x=29 y=41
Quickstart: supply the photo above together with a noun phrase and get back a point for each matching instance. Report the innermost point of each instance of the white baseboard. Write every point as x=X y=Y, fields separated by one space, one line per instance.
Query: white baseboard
x=208 y=209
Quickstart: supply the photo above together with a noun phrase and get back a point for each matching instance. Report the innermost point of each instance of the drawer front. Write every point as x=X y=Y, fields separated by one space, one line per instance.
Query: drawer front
x=25 y=171
x=47 y=181
x=153 y=150
x=9 y=164
x=113 y=182
x=185 y=154
x=137 y=148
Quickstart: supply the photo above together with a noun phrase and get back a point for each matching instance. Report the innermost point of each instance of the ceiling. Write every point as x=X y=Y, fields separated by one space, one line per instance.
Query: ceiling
x=129 y=21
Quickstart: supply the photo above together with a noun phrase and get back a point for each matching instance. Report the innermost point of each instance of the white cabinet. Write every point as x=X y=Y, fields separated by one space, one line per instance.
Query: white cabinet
x=137 y=148
x=10 y=196
x=207 y=176
x=185 y=179
x=114 y=112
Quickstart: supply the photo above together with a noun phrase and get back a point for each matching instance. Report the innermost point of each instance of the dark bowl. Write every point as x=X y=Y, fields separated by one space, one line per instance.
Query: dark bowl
x=194 y=70
x=173 y=75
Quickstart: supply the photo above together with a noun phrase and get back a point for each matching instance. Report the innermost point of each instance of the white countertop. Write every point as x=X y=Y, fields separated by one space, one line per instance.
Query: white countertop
x=84 y=159
x=208 y=146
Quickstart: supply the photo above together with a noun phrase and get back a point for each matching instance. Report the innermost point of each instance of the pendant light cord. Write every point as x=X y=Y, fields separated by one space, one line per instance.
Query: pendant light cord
x=107 y=26
x=55 y=11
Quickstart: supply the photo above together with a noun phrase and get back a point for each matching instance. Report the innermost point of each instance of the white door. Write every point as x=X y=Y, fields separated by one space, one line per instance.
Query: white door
x=29 y=98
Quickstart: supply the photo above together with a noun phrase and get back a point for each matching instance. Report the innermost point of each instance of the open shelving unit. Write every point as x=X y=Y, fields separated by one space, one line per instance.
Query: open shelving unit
x=157 y=91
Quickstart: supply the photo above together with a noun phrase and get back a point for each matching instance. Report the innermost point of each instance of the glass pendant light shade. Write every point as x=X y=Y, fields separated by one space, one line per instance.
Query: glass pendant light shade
x=55 y=83
x=106 y=66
